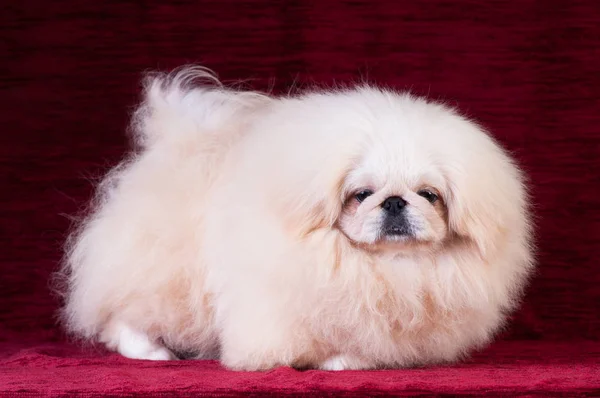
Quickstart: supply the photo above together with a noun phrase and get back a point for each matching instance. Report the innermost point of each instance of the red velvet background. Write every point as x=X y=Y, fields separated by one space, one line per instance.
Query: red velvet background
x=528 y=70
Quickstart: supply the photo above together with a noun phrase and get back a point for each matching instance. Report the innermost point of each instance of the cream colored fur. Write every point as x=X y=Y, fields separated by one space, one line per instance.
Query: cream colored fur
x=228 y=231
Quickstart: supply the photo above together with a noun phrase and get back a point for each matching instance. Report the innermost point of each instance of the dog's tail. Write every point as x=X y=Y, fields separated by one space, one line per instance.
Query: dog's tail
x=191 y=104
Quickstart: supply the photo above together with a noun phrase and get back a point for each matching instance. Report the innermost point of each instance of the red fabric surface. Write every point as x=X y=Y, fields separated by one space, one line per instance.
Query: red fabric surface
x=507 y=368
x=528 y=70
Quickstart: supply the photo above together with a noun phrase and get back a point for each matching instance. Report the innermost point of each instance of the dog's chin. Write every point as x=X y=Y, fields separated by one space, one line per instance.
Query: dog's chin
x=398 y=239
x=402 y=244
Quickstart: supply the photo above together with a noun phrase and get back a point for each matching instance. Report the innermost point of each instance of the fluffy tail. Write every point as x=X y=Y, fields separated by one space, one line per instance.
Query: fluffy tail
x=189 y=98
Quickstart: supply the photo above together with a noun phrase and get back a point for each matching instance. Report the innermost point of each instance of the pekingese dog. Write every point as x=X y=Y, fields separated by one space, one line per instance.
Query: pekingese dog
x=336 y=229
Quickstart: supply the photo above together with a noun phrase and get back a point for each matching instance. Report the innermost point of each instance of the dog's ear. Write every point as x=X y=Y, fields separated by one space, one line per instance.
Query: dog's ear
x=487 y=200
x=320 y=204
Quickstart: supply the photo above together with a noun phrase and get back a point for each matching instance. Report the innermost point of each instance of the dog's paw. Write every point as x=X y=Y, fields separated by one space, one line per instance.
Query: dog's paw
x=136 y=345
x=160 y=354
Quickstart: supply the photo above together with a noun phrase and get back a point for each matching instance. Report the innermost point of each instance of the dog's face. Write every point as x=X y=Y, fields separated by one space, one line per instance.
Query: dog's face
x=424 y=179
x=386 y=203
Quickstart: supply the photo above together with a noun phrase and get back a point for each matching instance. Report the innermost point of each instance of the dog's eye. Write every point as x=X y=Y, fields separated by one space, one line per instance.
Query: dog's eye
x=362 y=195
x=430 y=196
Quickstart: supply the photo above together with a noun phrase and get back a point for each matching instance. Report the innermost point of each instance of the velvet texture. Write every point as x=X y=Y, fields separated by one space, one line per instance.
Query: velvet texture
x=528 y=70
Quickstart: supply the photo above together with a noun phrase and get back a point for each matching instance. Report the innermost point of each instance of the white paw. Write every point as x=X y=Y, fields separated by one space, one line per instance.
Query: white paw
x=337 y=363
x=135 y=345
x=161 y=354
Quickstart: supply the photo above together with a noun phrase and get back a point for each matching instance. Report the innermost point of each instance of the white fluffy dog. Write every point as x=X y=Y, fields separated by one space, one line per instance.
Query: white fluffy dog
x=337 y=229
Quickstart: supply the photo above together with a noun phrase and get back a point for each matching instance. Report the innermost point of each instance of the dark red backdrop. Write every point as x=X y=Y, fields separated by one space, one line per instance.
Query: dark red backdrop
x=529 y=70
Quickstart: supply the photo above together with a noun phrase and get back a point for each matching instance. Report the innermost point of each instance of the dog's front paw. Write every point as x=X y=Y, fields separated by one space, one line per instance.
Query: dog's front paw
x=159 y=354
x=134 y=344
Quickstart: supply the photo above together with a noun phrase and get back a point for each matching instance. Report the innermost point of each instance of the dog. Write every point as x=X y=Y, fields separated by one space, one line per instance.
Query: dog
x=353 y=228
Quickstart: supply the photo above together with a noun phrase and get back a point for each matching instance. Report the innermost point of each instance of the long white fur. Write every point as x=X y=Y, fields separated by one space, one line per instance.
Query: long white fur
x=219 y=233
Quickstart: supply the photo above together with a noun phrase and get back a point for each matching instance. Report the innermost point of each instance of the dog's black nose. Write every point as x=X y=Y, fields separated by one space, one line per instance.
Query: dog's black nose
x=393 y=205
